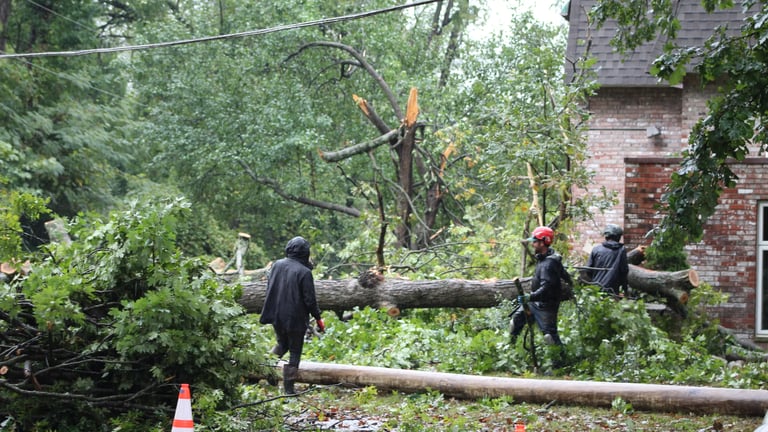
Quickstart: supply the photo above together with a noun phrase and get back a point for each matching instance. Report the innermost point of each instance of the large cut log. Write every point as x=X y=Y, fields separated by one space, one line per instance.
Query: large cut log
x=394 y=293
x=646 y=397
x=672 y=285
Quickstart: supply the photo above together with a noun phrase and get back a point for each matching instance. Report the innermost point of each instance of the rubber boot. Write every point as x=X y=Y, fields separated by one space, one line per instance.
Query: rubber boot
x=289 y=379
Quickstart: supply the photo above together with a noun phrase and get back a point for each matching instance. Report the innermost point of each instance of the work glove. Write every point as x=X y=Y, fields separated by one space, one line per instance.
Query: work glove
x=320 y=326
x=523 y=299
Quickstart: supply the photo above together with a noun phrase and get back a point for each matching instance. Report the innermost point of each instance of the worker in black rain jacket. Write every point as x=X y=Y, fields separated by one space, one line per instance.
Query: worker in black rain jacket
x=608 y=265
x=289 y=302
x=544 y=301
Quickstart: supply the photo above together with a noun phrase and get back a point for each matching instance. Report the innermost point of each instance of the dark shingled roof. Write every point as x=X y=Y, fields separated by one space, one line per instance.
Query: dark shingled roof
x=631 y=70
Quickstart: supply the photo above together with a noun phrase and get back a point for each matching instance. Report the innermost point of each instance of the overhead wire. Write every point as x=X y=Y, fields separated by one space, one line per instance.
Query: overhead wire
x=258 y=32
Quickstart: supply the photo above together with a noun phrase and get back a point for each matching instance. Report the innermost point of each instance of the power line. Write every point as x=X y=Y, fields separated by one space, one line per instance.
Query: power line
x=218 y=37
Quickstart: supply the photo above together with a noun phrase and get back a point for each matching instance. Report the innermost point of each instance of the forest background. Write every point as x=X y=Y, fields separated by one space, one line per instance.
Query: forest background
x=389 y=139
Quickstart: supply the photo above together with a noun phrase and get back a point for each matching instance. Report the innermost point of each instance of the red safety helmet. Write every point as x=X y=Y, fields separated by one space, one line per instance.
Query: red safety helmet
x=543 y=233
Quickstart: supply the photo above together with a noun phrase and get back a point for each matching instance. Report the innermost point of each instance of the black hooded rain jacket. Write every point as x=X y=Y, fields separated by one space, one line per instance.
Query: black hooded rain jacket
x=290 y=297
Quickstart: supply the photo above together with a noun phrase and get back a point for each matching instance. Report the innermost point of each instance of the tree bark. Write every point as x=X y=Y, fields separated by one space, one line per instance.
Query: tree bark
x=648 y=397
x=392 y=293
x=335 y=156
x=675 y=286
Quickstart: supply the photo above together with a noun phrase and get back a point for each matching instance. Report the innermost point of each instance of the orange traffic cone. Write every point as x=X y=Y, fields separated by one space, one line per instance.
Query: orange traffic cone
x=182 y=421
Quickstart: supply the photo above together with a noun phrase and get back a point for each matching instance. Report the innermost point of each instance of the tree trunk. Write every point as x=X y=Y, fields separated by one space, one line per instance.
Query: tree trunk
x=648 y=397
x=394 y=294
x=674 y=286
x=374 y=290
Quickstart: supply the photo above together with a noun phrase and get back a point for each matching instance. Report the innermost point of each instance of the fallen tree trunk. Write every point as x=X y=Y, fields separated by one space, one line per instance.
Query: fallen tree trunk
x=647 y=397
x=393 y=293
x=671 y=285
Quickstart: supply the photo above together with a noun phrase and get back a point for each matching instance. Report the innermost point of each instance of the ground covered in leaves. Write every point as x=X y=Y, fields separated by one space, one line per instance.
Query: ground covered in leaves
x=333 y=408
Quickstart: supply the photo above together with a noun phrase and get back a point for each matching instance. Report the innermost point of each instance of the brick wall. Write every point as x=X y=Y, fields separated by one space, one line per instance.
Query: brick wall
x=726 y=257
x=636 y=167
x=617 y=130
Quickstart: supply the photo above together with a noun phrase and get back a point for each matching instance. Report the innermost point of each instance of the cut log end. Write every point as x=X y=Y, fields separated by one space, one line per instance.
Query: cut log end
x=693 y=277
x=7 y=268
x=393 y=311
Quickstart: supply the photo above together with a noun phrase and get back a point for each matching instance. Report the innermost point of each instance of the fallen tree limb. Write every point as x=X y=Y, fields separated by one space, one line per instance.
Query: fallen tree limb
x=671 y=285
x=344 y=295
x=394 y=293
x=646 y=397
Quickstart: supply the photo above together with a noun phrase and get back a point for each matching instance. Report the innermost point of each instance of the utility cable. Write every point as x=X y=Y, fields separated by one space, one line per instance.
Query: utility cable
x=323 y=21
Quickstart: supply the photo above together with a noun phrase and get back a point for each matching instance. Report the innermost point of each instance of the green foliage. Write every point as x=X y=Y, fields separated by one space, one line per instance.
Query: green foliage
x=622 y=406
x=66 y=122
x=523 y=116
x=127 y=313
x=272 y=104
x=665 y=254
x=13 y=206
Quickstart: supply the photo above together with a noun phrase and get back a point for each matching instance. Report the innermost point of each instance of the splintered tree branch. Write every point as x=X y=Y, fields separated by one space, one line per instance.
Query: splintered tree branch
x=335 y=156
x=370 y=113
x=368 y=68
x=272 y=184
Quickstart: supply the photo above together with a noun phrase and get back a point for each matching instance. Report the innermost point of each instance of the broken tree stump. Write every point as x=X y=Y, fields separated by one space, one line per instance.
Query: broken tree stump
x=648 y=397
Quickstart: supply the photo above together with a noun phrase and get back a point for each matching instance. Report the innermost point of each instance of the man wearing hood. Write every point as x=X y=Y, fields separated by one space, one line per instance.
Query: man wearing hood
x=608 y=265
x=289 y=302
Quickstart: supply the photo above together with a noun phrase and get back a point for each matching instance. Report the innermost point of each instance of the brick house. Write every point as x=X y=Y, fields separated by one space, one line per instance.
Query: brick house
x=637 y=130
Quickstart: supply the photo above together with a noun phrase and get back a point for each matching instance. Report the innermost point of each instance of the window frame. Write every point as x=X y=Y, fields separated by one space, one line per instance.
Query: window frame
x=761 y=328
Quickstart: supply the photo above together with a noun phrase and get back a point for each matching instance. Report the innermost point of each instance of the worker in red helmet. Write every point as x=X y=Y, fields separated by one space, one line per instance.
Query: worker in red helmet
x=544 y=299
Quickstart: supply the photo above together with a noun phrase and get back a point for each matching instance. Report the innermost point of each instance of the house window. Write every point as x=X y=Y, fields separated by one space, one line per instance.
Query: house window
x=762 y=272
